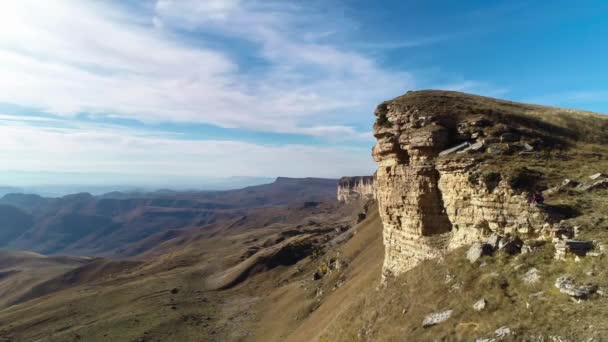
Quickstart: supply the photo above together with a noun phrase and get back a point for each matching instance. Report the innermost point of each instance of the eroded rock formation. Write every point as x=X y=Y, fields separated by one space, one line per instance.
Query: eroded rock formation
x=355 y=188
x=431 y=203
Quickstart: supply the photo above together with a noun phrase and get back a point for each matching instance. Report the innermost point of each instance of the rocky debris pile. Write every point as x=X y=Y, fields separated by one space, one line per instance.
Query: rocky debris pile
x=563 y=238
x=508 y=244
x=436 y=318
x=566 y=285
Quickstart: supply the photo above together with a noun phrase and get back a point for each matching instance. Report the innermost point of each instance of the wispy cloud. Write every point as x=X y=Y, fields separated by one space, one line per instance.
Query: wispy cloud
x=90 y=57
x=95 y=150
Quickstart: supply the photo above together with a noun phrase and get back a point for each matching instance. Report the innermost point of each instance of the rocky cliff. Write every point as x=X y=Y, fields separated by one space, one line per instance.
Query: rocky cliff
x=449 y=172
x=355 y=188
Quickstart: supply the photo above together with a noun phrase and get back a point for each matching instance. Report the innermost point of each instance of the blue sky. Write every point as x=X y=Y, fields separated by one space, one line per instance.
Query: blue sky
x=161 y=90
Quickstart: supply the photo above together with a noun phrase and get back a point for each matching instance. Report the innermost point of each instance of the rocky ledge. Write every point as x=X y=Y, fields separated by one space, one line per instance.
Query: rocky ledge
x=432 y=192
x=355 y=188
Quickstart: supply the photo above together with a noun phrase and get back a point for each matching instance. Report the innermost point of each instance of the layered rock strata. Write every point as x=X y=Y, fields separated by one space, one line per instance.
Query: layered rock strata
x=430 y=204
x=355 y=188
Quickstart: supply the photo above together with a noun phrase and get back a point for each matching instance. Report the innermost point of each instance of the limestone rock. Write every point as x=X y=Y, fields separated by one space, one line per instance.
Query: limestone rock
x=566 y=285
x=456 y=148
x=436 y=318
x=531 y=246
x=426 y=198
x=598 y=176
x=576 y=247
x=532 y=276
x=600 y=184
x=480 y=304
x=494 y=240
x=503 y=332
x=355 y=188
x=477 y=250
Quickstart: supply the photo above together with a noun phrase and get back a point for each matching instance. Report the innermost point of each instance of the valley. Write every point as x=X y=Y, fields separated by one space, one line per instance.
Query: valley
x=485 y=221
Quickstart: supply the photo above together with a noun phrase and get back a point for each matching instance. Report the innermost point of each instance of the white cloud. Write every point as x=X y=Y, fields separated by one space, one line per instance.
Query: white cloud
x=82 y=56
x=99 y=149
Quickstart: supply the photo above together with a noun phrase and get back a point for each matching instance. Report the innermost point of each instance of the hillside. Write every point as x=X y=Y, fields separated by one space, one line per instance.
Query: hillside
x=457 y=244
x=211 y=288
x=107 y=225
x=21 y=272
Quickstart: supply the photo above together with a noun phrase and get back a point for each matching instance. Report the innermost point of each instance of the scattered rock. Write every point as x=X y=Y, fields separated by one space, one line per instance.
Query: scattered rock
x=562 y=232
x=566 y=285
x=480 y=304
x=493 y=240
x=531 y=246
x=598 y=176
x=532 y=276
x=577 y=247
x=476 y=147
x=500 y=333
x=510 y=245
x=601 y=184
x=497 y=149
x=478 y=250
x=503 y=332
x=454 y=149
x=569 y=183
x=436 y=318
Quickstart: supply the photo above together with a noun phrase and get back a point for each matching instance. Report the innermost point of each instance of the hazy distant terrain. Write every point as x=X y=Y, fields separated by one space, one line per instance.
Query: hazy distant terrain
x=83 y=224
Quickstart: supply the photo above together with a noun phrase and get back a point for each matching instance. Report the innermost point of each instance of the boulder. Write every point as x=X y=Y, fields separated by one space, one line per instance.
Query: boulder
x=477 y=250
x=436 y=318
x=528 y=147
x=480 y=304
x=566 y=285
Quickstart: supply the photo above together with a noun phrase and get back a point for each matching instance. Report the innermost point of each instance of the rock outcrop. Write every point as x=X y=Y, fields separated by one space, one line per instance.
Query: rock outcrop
x=430 y=193
x=355 y=188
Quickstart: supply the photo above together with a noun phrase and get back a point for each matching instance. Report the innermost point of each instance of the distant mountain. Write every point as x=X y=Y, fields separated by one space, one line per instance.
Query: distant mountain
x=106 y=225
x=9 y=189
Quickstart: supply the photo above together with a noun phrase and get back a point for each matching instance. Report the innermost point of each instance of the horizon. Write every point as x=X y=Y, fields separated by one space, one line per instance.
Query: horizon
x=169 y=94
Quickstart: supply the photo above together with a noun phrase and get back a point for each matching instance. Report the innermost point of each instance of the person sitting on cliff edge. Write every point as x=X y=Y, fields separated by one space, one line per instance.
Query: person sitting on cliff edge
x=536 y=199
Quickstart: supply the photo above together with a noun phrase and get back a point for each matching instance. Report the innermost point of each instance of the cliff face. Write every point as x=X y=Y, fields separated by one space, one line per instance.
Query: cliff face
x=431 y=193
x=355 y=188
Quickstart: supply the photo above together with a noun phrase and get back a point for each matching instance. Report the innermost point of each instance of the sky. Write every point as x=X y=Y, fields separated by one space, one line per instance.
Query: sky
x=161 y=92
